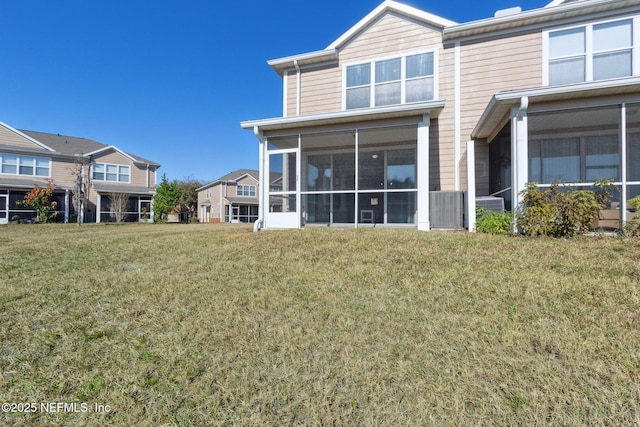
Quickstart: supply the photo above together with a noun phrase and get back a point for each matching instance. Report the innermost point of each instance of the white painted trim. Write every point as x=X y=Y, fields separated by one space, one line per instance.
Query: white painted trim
x=112 y=147
x=471 y=186
x=117 y=181
x=623 y=160
x=30 y=139
x=457 y=115
x=392 y=6
x=285 y=97
x=422 y=163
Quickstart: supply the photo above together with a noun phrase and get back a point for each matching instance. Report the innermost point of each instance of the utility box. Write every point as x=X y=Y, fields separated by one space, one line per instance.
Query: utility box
x=446 y=209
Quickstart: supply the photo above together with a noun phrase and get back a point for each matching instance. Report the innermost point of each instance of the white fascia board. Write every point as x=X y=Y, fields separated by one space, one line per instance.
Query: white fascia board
x=113 y=147
x=501 y=102
x=16 y=131
x=394 y=6
x=535 y=17
x=244 y=176
x=310 y=58
x=432 y=107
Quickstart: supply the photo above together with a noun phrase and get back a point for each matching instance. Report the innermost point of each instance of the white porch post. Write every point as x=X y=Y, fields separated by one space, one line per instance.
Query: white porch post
x=263 y=185
x=519 y=154
x=424 y=223
x=98 y=206
x=66 y=206
x=471 y=186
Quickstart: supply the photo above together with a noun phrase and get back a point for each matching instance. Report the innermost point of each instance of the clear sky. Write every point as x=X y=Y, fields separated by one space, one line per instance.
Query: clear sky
x=170 y=80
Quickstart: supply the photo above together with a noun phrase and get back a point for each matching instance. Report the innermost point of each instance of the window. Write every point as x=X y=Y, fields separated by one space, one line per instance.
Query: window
x=592 y=52
x=395 y=81
x=17 y=164
x=113 y=173
x=246 y=190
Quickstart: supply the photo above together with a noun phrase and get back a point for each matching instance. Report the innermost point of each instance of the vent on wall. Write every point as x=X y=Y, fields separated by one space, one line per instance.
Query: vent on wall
x=446 y=209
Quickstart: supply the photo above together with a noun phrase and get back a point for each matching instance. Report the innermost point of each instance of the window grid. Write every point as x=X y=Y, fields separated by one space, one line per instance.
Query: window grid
x=111 y=172
x=17 y=164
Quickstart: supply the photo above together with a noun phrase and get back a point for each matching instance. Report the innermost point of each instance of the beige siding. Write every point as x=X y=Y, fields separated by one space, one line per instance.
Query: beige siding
x=292 y=93
x=63 y=172
x=489 y=67
x=391 y=34
x=138 y=172
x=8 y=137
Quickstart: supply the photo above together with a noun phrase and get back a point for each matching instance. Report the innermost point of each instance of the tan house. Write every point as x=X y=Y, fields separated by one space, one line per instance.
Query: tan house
x=231 y=198
x=408 y=119
x=29 y=158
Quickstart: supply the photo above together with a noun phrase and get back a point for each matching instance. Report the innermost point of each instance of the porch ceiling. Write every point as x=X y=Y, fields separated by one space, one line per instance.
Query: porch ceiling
x=431 y=108
x=501 y=104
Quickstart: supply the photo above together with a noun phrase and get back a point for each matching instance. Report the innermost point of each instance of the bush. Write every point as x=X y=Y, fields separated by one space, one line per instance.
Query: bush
x=558 y=211
x=493 y=222
x=634 y=203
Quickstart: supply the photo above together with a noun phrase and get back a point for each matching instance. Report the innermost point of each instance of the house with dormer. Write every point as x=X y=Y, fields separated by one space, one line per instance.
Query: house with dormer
x=106 y=172
x=410 y=119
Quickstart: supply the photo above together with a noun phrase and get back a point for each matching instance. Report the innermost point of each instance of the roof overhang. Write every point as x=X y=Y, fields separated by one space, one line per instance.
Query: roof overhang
x=537 y=17
x=431 y=108
x=305 y=60
x=501 y=103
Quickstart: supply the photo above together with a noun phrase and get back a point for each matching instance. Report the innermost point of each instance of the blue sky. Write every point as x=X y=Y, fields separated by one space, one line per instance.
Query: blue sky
x=170 y=80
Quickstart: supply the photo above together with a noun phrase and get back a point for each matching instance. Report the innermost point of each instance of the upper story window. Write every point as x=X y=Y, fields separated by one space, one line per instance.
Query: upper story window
x=590 y=52
x=246 y=190
x=18 y=164
x=109 y=172
x=390 y=81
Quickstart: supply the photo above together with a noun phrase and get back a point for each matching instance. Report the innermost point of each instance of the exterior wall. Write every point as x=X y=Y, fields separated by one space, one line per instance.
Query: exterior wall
x=8 y=137
x=490 y=66
x=391 y=34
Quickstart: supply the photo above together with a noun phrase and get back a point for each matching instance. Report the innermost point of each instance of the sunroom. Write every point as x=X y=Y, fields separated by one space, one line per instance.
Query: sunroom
x=357 y=169
x=575 y=135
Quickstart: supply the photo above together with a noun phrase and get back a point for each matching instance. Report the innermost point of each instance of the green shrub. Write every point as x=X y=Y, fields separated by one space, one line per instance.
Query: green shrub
x=493 y=222
x=558 y=211
x=634 y=203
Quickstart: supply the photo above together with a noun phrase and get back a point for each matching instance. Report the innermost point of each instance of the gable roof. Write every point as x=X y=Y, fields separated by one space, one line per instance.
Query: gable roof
x=330 y=53
x=72 y=145
x=234 y=176
x=22 y=136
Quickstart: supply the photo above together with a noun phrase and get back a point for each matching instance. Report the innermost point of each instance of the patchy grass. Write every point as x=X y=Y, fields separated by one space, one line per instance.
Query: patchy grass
x=215 y=325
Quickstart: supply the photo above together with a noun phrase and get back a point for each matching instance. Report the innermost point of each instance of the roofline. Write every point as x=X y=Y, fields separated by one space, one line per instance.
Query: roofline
x=551 y=93
x=16 y=131
x=346 y=116
x=390 y=5
x=331 y=52
x=113 y=147
x=220 y=180
x=549 y=13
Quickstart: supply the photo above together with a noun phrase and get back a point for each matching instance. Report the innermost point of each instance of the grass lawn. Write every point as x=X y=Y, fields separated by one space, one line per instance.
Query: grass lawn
x=214 y=325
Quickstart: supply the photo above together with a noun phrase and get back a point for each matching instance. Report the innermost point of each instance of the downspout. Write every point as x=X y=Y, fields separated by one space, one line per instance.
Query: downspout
x=259 y=223
x=298 y=75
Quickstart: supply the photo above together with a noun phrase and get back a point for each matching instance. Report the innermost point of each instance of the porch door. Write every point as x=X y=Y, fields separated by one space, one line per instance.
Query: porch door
x=144 y=209
x=235 y=214
x=4 y=214
x=284 y=209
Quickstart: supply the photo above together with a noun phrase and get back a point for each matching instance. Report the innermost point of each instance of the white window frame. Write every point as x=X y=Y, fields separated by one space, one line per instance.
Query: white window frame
x=22 y=160
x=244 y=187
x=118 y=174
x=403 y=79
x=589 y=48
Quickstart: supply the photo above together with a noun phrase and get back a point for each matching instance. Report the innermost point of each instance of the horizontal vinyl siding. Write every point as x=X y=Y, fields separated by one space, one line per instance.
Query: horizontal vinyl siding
x=487 y=68
x=8 y=137
x=292 y=81
x=391 y=34
x=139 y=176
x=63 y=172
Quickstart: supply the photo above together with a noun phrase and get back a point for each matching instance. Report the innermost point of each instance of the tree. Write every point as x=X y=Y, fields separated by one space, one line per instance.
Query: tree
x=40 y=199
x=119 y=203
x=80 y=188
x=188 y=195
x=166 y=198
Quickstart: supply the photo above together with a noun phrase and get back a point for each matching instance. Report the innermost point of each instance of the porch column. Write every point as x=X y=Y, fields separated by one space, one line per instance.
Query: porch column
x=98 y=206
x=471 y=186
x=424 y=223
x=519 y=153
x=66 y=206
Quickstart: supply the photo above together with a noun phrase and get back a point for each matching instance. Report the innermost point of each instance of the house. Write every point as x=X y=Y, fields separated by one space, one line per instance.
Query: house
x=407 y=118
x=231 y=198
x=29 y=159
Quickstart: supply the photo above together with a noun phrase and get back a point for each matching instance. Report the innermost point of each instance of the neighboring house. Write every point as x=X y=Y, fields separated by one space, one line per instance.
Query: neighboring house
x=408 y=117
x=231 y=198
x=30 y=158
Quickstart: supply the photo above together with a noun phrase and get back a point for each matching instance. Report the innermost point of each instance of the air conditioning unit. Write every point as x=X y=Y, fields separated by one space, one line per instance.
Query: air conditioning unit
x=491 y=203
x=446 y=209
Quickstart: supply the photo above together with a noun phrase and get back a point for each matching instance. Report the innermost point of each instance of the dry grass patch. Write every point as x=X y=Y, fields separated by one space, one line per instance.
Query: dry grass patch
x=215 y=325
